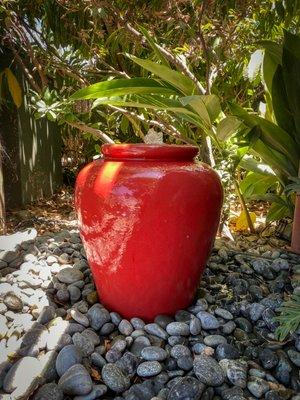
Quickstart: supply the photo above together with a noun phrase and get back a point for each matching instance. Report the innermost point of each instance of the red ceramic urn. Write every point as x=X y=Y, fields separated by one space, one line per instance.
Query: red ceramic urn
x=148 y=215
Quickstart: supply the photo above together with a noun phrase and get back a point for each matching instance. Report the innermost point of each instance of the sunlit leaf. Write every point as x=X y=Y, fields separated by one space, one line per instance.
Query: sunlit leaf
x=14 y=87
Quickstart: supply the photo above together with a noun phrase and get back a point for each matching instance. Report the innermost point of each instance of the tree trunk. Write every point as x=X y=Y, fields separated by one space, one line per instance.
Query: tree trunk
x=295 y=246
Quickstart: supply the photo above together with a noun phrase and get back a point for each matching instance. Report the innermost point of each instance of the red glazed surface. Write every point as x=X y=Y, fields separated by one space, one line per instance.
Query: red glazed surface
x=148 y=215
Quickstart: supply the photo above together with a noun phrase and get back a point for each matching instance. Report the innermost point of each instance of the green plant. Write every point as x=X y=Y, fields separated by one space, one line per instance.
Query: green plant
x=289 y=317
x=275 y=138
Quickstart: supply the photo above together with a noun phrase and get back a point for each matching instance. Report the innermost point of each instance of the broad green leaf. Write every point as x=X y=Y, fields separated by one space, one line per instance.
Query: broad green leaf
x=151 y=102
x=269 y=67
x=184 y=84
x=14 y=87
x=278 y=162
x=291 y=75
x=283 y=114
x=271 y=134
x=213 y=105
x=227 y=127
x=274 y=50
x=198 y=105
x=278 y=212
x=120 y=87
x=256 y=184
x=250 y=164
x=154 y=46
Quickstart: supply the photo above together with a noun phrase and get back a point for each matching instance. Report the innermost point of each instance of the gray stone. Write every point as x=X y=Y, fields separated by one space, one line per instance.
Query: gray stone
x=113 y=355
x=226 y=351
x=214 y=340
x=255 y=311
x=13 y=302
x=294 y=356
x=48 y=366
x=137 y=323
x=76 y=381
x=97 y=391
x=138 y=344
x=208 y=321
x=187 y=388
x=47 y=314
x=221 y=312
x=179 y=350
x=107 y=329
x=280 y=264
x=163 y=320
x=8 y=256
x=69 y=275
x=23 y=376
x=67 y=357
x=92 y=336
x=195 y=326
x=208 y=371
x=125 y=327
x=115 y=318
x=114 y=378
x=119 y=345
x=236 y=371
x=75 y=293
x=154 y=353
x=98 y=316
x=63 y=295
x=84 y=343
x=268 y=358
x=80 y=318
x=155 y=330
x=98 y=360
x=49 y=391
x=178 y=329
x=149 y=368
x=228 y=328
x=258 y=387
x=185 y=363
x=128 y=364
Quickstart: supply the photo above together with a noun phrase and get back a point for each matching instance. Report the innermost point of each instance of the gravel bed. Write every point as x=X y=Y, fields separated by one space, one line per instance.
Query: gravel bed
x=58 y=342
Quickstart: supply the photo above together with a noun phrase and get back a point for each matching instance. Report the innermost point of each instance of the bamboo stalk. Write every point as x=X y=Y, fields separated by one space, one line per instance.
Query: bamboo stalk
x=244 y=206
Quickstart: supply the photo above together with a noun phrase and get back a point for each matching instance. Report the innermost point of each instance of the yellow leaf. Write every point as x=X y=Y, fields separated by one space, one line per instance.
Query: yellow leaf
x=14 y=87
x=241 y=223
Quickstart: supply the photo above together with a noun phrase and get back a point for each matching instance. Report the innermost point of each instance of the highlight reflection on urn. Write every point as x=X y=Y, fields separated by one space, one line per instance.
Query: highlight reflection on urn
x=148 y=215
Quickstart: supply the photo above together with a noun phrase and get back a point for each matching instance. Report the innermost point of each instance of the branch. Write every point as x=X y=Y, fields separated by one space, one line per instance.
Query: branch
x=97 y=132
x=205 y=49
x=26 y=71
x=169 y=129
x=170 y=57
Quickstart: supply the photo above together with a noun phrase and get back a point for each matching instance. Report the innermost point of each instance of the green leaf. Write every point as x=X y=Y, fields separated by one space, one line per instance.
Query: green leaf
x=184 y=84
x=151 y=102
x=120 y=87
x=271 y=134
x=278 y=212
x=274 y=50
x=213 y=106
x=291 y=75
x=154 y=46
x=256 y=184
x=250 y=164
x=228 y=127
x=283 y=114
x=198 y=105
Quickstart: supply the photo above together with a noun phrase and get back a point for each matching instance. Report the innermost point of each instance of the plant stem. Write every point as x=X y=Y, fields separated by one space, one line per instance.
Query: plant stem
x=244 y=206
x=97 y=132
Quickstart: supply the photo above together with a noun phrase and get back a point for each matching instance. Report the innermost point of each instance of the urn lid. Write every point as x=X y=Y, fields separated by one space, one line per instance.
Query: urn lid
x=141 y=151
